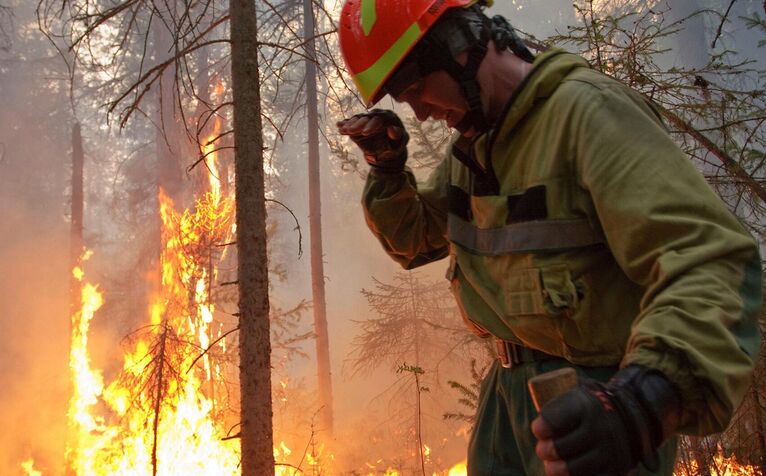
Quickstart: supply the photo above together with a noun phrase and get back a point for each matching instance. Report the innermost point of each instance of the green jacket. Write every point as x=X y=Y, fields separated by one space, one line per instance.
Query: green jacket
x=577 y=227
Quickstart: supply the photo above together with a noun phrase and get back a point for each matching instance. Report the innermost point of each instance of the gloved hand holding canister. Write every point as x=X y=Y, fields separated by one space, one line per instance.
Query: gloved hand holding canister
x=598 y=429
x=381 y=136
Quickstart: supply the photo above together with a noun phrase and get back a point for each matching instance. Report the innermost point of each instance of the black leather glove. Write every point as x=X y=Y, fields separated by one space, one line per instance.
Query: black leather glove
x=380 y=150
x=609 y=428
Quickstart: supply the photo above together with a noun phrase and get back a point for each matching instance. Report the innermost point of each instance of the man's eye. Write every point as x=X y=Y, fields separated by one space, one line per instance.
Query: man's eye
x=414 y=89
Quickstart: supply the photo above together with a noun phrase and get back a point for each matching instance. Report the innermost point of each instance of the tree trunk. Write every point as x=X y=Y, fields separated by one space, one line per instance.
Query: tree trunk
x=75 y=254
x=324 y=374
x=418 y=409
x=254 y=344
x=75 y=236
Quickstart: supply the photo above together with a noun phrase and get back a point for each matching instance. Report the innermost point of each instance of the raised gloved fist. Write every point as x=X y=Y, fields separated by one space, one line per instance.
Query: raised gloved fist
x=598 y=429
x=381 y=136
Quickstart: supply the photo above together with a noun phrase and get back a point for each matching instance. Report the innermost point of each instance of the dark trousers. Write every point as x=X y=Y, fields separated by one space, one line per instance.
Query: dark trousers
x=502 y=443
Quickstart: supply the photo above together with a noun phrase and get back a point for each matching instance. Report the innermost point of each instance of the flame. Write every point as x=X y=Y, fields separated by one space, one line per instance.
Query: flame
x=159 y=416
x=29 y=468
x=164 y=413
x=87 y=384
x=459 y=469
x=722 y=466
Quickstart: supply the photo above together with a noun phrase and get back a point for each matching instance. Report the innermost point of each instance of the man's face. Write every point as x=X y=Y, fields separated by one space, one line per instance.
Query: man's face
x=436 y=96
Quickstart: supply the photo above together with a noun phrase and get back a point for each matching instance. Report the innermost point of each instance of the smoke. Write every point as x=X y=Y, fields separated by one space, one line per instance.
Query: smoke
x=34 y=327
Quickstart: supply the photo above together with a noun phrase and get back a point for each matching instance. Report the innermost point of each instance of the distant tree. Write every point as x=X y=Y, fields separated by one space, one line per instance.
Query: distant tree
x=413 y=317
x=324 y=373
x=416 y=331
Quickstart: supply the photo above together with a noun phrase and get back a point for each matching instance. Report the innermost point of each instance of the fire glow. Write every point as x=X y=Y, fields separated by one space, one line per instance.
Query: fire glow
x=158 y=417
x=164 y=414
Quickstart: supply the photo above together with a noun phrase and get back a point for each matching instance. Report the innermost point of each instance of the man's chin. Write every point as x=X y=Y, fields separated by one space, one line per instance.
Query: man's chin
x=467 y=133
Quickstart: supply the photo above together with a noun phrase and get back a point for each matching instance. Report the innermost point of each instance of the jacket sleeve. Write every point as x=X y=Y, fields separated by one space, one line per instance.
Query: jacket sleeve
x=409 y=220
x=675 y=237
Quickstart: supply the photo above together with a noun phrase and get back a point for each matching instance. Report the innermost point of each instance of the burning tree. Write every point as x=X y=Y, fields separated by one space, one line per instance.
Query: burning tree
x=162 y=413
x=175 y=50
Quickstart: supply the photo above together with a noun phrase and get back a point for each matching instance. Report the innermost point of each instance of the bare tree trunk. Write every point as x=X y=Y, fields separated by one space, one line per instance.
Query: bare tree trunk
x=324 y=374
x=75 y=236
x=254 y=343
x=418 y=408
x=75 y=253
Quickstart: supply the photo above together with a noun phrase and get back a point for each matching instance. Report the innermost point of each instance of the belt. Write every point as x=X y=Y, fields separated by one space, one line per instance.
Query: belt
x=512 y=354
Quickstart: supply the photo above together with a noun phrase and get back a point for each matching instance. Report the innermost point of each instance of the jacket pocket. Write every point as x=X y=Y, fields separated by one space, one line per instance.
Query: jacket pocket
x=523 y=292
x=540 y=291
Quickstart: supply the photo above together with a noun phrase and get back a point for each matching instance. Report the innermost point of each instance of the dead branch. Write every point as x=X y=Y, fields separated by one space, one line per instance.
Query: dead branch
x=212 y=344
x=731 y=165
x=297 y=225
x=720 y=25
x=154 y=73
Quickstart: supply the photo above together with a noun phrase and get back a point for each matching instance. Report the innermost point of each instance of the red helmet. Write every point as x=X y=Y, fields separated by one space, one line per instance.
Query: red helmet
x=376 y=35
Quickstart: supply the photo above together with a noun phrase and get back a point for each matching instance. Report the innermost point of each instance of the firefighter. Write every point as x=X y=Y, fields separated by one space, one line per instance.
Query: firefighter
x=577 y=234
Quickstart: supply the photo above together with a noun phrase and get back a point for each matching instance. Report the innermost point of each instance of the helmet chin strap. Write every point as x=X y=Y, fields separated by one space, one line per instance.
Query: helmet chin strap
x=501 y=32
x=474 y=118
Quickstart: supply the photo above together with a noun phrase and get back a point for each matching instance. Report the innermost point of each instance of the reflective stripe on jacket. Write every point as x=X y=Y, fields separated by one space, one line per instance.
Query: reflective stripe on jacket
x=577 y=227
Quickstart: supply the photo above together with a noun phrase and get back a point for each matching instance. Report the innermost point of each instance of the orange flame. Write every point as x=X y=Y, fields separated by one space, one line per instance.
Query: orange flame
x=459 y=469
x=160 y=417
x=157 y=418
x=29 y=468
x=87 y=384
x=721 y=466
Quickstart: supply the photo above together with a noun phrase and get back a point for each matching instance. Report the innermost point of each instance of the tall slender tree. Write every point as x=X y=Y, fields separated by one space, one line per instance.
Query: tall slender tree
x=254 y=344
x=324 y=374
x=75 y=235
x=76 y=243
